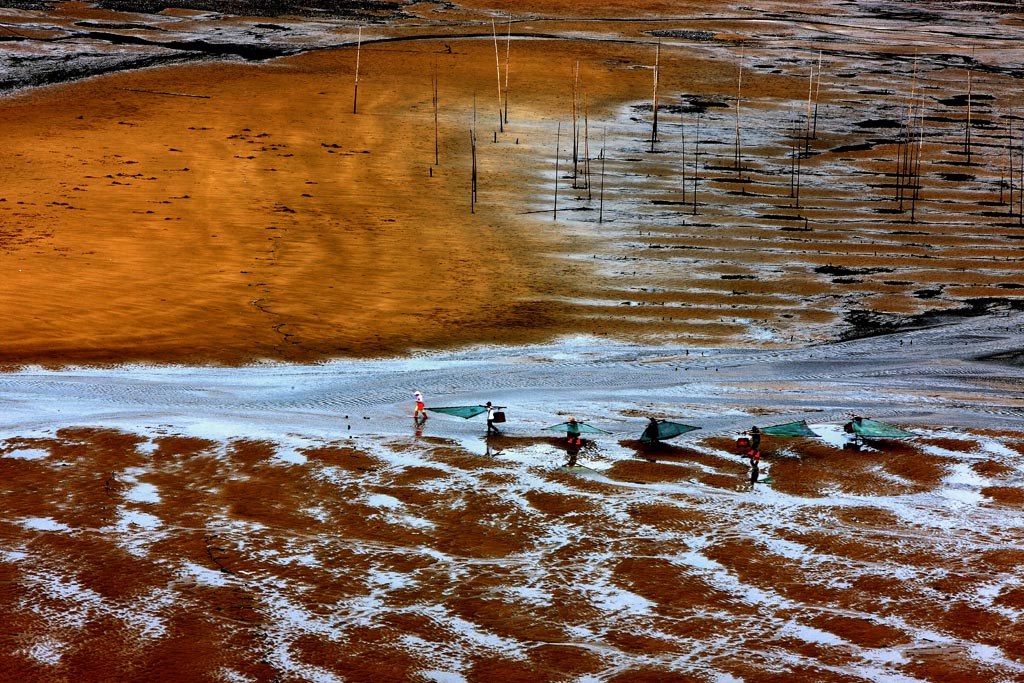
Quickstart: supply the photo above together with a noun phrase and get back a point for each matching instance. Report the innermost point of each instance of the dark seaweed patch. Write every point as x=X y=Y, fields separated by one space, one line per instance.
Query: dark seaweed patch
x=843 y=271
x=862 y=147
x=861 y=323
x=698 y=36
x=877 y=123
x=364 y=9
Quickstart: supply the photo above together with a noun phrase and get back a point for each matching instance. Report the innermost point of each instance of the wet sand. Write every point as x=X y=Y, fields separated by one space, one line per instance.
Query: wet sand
x=291 y=522
x=228 y=212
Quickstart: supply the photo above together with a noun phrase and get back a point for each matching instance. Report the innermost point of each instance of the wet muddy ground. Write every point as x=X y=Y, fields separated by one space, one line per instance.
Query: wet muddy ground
x=293 y=523
x=186 y=509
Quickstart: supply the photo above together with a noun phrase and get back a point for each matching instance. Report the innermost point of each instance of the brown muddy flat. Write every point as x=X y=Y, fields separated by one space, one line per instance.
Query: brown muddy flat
x=189 y=559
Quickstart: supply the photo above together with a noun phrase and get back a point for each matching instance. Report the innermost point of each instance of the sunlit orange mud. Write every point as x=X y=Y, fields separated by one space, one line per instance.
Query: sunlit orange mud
x=227 y=212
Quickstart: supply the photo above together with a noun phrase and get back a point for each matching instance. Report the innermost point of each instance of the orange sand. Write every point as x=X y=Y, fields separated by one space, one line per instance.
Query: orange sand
x=227 y=212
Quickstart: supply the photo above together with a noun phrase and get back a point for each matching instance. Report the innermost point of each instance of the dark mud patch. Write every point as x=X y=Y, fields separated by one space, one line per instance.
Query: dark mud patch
x=1007 y=357
x=844 y=271
x=957 y=177
x=861 y=323
x=201 y=47
x=338 y=9
x=684 y=34
x=877 y=123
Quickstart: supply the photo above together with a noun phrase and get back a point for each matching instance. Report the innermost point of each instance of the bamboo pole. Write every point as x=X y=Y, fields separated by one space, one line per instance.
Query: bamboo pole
x=797 y=160
x=586 y=149
x=916 y=190
x=682 y=141
x=497 y=65
x=970 y=93
x=508 y=52
x=355 y=90
x=899 y=149
x=793 y=147
x=436 y=142
x=739 y=97
x=817 y=92
x=472 y=136
x=903 y=172
x=1009 y=161
x=604 y=147
x=654 y=100
x=696 y=157
x=807 y=129
x=1020 y=194
x=558 y=143
x=575 y=123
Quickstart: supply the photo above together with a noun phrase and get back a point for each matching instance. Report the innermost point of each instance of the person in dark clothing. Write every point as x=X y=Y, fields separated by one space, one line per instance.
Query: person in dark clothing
x=573 y=432
x=572 y=441
x=651 y=431
x=755 y=438
x=755 y=465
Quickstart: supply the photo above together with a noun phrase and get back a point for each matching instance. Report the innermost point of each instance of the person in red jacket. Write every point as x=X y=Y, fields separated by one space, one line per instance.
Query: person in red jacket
x=420 y=413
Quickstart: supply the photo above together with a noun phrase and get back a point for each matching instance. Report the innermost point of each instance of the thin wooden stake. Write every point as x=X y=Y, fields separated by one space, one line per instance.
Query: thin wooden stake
x=682 y=141
x=967 y=128
x=909 y=147
x=739 y=97
x=1009 y=161
x=586 y=149
x=575 y=123
x=917 y=167
x=472 y=138
x=795 y=180
x=807 y=129
x=817 y=91
x=436 y=139
x=696 y=157
x=794 y=146
x=558 y=144
x=604 y=147
x=508 y=52
x=899 y=150
x=497 y=65
x=654 y=100
x=355 y=90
